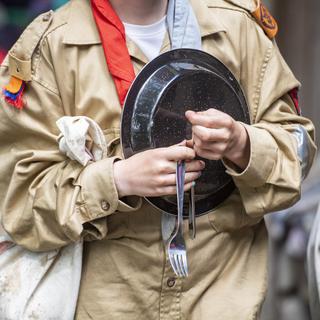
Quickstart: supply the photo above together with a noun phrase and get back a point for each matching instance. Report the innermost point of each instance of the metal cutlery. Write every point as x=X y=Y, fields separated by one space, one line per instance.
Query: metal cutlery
x=176 y=245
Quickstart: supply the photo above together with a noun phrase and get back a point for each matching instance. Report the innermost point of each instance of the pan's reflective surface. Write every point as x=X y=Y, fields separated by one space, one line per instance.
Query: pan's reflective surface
x=154 y=115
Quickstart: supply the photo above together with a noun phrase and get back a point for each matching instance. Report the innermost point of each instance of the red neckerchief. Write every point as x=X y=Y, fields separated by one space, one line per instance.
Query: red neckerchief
x=2 y=55
x=113 y=39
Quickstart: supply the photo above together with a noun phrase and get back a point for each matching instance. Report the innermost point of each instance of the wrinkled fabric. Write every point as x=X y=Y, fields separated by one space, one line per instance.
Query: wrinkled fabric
x=32 y=277
x=40 y=285
x=125 y=271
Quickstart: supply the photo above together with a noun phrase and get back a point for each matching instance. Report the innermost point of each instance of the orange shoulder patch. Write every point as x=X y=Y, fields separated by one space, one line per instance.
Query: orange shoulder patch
x=13 y=92
x=14 y=85
x=266 y=21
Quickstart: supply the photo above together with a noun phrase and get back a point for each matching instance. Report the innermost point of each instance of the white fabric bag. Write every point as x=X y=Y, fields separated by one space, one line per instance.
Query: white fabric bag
x=45 y=285
x=42 y=286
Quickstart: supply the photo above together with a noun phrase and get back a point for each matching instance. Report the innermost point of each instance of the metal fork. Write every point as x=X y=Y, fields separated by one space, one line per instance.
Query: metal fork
x=176 y=245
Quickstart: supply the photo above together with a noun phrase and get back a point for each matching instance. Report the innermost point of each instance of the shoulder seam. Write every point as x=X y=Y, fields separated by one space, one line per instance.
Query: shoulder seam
x=245 y=12
x=36 y=64
x=257 y=97
x=37 y=57
x=50 y=31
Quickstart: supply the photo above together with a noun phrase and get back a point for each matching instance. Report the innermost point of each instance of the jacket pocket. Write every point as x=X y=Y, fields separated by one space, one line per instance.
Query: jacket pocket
x=231 y=215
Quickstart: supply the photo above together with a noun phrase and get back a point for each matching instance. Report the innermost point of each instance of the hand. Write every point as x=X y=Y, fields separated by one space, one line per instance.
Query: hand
x=152 y=173
x=216 y=135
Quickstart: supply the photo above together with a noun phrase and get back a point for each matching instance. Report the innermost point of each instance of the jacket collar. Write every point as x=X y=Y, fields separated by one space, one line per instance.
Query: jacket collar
x=81 y=28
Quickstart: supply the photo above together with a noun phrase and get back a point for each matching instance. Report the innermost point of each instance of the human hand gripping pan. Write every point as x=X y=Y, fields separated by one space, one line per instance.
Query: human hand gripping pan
x=154 y=116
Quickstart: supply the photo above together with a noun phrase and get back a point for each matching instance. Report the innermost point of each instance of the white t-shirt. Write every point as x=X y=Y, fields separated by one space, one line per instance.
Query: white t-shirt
x=148 y=38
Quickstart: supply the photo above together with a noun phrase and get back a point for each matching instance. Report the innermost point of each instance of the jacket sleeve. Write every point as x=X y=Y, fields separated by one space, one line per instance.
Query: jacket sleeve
x=48 y=200
x=272 y=179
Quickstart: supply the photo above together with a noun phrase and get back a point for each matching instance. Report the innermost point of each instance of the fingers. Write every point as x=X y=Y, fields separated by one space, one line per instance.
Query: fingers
x=209 y=154
x=211 y=150
x=189 y=143
x=191 y=176
x=195 y=165
x=170 y=179
x=167 y=167
x=188 y=186
x=179 y=153
x=213 y=133
x=182 y=143
x=209 y=135
x=211 y=118
x=215 y=145
x=172 y=190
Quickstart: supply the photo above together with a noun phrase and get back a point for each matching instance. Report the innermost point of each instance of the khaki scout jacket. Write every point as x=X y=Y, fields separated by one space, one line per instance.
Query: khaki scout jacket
x=48 y=201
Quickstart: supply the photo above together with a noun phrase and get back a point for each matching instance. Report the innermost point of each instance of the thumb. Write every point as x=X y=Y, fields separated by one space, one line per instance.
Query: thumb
x=189 y=143
x=182 y=143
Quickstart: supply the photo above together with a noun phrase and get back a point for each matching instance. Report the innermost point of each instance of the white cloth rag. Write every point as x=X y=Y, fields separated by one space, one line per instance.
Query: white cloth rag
x=81 y=139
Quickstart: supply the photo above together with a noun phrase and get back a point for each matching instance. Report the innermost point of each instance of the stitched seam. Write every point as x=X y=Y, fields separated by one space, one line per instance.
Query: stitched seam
x=35 y=39
x=49 y=31
x=35 y=70
x=233 y=9
x=36 y=61
x=257 y=94
x=179 y=315
x=45 y=38
x=47 y=86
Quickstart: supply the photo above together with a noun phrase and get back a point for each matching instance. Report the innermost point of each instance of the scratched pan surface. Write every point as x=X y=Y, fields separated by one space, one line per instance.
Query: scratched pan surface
x=153 y=115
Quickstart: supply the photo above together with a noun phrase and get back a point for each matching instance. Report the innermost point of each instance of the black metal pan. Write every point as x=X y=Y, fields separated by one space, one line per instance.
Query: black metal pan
x=154 y=115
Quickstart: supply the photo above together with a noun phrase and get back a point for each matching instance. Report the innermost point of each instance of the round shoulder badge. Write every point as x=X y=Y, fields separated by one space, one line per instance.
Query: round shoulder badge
x=266 y=21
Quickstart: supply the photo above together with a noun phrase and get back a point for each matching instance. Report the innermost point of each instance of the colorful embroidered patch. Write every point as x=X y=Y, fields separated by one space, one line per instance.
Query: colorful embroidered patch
x=266 y=21
x=13 y=92
x=295 y=98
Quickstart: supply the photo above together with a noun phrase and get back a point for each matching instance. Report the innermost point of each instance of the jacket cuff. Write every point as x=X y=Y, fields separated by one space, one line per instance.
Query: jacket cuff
x=99 y=191
x=263 y=155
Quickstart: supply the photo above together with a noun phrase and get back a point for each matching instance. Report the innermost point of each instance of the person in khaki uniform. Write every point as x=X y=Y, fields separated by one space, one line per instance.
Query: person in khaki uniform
x=49 y=201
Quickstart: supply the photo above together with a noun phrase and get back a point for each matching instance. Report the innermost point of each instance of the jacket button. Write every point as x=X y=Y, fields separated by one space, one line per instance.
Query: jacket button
x=105 y=205
x=171 y=282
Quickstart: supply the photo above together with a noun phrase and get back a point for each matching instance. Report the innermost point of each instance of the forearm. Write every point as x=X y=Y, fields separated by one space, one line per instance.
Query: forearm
x=61 y=204
x=239 y=154
x=272 y=180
